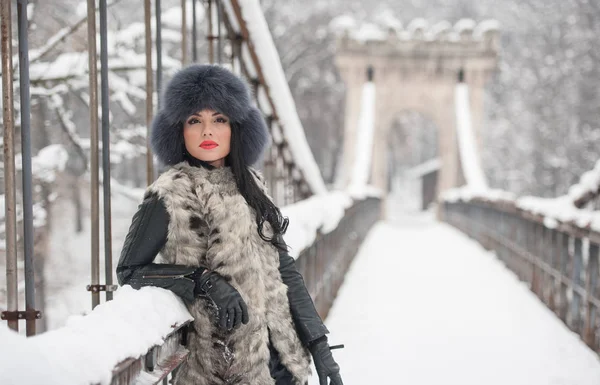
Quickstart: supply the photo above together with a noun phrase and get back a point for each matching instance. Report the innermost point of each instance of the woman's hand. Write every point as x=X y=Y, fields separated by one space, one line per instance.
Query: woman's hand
x=231 y=308
x=324 y=362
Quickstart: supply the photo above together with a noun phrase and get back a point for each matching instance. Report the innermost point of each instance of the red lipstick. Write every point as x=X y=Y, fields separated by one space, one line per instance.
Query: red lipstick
x=208 y=145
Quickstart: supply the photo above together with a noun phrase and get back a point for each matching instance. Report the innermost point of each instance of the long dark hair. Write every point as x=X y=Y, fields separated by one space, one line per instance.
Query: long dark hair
x=263 y=207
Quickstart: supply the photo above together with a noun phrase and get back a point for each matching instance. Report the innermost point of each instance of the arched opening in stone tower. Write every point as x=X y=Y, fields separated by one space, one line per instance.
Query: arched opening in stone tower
x=413 y=161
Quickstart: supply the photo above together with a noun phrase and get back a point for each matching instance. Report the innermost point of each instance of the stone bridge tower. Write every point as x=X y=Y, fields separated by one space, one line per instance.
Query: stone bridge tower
x=415 y=69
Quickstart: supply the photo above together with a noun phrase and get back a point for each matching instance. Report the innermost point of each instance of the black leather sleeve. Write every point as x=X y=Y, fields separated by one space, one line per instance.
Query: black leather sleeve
x=308 y=322
x=146 y=237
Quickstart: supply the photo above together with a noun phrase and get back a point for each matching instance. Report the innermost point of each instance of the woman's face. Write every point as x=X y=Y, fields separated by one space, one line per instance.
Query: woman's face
x=207 y=136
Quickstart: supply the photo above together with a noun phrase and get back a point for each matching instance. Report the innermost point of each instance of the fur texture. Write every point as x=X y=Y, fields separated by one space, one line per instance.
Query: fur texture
x=199 y=87
x=212 y=225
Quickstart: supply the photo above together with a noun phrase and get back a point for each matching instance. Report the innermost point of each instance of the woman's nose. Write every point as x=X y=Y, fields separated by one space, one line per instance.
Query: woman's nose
x=207 y=131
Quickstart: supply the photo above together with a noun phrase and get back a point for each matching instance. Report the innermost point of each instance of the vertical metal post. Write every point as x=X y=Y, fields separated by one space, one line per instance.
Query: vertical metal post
x=577 y=266
x=149 y=90
x=210 y=37
x=184 y=44
x=106 y=151
x=194 y=33
x=591 y=312
x=95 y=204
x=9 y=162
x=159 y=70
x=236 y=56
x=564 y=262
x=26 y=164
x=219 y=32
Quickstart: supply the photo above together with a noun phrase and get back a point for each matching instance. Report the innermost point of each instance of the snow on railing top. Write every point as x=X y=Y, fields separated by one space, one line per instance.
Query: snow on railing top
x=389 y=28
x=588 y=187
x=253 y=20
x=89 y=347
x=325 y=213
x=554 y=211
x=564 y=209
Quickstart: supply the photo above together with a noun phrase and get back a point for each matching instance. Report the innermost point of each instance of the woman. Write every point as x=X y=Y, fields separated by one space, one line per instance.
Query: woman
x=220 y=241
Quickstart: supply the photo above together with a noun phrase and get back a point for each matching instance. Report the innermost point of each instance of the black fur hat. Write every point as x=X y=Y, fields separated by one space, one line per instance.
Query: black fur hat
x=199 y=87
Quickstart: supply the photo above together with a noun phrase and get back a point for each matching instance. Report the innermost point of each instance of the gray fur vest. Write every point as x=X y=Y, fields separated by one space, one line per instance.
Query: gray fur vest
x=212 y=225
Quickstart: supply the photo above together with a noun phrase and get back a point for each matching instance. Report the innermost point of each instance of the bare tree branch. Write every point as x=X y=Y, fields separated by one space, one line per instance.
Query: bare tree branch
x=60 y=37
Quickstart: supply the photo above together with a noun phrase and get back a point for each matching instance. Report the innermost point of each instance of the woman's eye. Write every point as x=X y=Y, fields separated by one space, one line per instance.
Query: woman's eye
x=221 y=120
x=193 y=121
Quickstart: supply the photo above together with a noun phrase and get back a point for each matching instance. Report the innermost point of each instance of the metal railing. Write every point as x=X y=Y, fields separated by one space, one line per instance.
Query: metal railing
x=560 y=263
x=160 y=362
x=13 y=315
x=325 y=263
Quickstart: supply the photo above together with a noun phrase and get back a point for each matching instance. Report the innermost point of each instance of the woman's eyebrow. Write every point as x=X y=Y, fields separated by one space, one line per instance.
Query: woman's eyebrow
x=198 y=114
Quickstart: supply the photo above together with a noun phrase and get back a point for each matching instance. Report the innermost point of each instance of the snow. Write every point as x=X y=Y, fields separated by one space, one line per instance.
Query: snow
x=387 y=24
x=485 y=27
x=35 y=54
x=440 y=28
x=589 y=183
x=557 y=210
x=49 y=160
x=280 y=92
x=30 y=10
x=342 y=24
x=119 y=84
x=75 y=64
x=87 y=349
x=65 y=65
x=227 y=8
x=465 y=25
x=14 y=370
x=361 y=169
x=369 y=32
x=325 y=210
x=469 y=154
x=389 y=21
x=417 y=25
x=466 y=194
x=561 y=209
x=554 y=210
x=436 y=308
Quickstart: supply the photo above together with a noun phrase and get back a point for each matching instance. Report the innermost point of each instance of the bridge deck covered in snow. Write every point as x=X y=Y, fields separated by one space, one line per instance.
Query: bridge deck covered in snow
x=423 y=304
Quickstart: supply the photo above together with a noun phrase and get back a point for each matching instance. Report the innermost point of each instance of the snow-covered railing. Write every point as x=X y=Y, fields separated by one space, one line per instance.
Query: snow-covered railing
x=551 y=244
x=135 y=337
x=328 y=251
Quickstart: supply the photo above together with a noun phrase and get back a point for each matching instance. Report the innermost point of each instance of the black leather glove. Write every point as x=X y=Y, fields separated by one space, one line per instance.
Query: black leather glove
x=324 y=362
x=231 y=308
